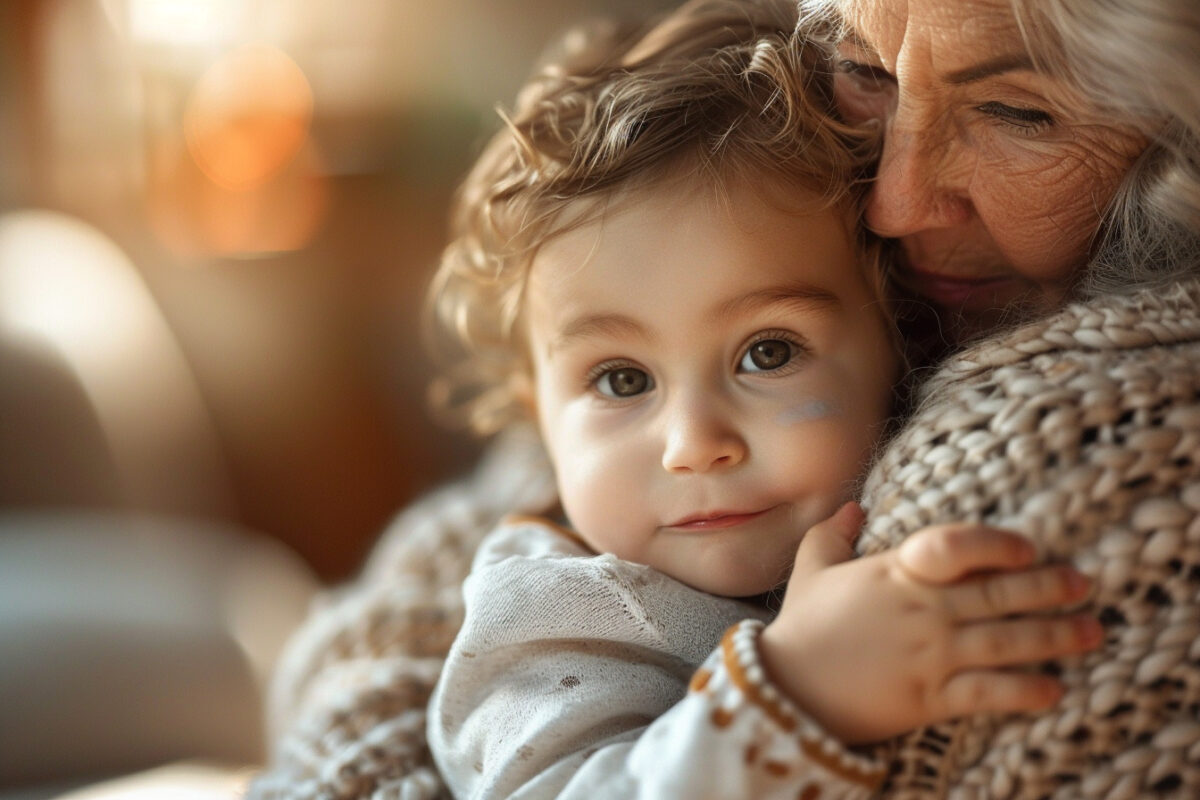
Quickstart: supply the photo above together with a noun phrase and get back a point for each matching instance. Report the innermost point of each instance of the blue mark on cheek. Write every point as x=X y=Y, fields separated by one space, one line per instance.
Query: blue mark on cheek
x=811 y=409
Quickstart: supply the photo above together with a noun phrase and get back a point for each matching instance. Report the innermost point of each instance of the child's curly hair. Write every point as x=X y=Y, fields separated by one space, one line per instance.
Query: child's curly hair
x=728 y=88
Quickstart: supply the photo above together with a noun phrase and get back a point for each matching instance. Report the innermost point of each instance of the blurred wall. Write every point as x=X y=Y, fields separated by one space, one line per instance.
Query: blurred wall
x=217 y=218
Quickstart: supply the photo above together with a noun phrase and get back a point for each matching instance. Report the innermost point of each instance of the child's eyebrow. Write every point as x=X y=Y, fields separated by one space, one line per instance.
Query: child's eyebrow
x=598 y=325
x=803 y=297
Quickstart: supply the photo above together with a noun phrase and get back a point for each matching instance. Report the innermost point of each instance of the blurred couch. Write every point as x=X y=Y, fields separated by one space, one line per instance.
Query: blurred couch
x=132 y=641
x=129 y=638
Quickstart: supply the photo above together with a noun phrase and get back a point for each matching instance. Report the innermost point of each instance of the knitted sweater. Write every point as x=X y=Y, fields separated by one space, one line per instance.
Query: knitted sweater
x=1081 y=430
x=346 y=707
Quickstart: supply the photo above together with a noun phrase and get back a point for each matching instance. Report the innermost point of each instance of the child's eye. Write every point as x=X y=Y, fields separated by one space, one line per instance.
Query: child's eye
x=623 y=382
x=767 y=355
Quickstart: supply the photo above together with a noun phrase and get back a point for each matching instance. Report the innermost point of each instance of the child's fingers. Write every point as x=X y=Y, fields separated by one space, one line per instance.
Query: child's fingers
x=1007 y=593
x=829 y=542
x=988 y=691
x=1023 y=641
x=946 y=553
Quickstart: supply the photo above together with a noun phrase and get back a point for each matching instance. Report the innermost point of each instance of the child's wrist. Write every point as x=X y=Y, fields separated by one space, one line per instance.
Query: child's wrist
x=788 y=666
x=779 y=659
x=743 y=683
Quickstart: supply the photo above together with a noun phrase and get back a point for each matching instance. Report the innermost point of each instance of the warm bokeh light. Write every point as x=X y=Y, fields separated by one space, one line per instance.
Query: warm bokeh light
x=184 y=22
x=271 y=179
x=248 y=116
x=197 y=217
x=64 y=282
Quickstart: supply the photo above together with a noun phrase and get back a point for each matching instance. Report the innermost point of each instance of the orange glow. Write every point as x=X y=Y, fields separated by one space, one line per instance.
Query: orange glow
x=246 y=179
x=194 y=216
x=248 y=117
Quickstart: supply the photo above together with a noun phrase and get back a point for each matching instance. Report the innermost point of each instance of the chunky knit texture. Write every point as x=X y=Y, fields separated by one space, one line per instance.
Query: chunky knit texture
x=1081 y=430
x=347 y=703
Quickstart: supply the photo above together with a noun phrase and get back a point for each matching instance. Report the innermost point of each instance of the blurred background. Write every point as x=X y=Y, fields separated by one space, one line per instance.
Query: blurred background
x=217 y=218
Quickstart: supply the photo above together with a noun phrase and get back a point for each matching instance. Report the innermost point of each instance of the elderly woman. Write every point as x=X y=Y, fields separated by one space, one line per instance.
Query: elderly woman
x=1041 y=177
x=1036 y=155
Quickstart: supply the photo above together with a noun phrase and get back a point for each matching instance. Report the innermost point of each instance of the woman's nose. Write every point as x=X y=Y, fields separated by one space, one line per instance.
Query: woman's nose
x=701 y=439
x=921 y=183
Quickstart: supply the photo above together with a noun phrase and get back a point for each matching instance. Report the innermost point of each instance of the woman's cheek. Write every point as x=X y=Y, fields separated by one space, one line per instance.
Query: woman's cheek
x=1046 y=199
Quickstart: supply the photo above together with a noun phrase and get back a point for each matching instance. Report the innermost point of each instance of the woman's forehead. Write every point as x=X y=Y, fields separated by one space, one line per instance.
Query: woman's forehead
x=972 y=25
x=959 y=42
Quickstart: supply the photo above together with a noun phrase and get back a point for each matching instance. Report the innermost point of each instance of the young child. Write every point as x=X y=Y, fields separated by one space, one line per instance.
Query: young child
x=659 y=262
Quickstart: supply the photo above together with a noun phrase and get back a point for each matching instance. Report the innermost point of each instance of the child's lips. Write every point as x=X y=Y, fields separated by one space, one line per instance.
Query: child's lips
x=714 y=520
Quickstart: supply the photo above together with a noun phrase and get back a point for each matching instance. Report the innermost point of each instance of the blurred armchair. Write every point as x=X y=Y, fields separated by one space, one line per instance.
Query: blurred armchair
x=133 y=641
x=127 y=639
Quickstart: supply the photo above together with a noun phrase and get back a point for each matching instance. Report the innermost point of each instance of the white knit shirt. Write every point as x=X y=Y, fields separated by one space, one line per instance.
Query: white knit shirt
x=570 y=679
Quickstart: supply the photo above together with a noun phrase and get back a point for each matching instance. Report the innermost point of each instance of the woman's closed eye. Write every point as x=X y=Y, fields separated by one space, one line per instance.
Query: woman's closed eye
x=865 y=90
x=1027 y=120
x=866 y=76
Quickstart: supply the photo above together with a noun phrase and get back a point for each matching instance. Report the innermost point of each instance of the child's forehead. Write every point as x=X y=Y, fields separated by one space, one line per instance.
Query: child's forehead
x=670 y=234
x=722 y=187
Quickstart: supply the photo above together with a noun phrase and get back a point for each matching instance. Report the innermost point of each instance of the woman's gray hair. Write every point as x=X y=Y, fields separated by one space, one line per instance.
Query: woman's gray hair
x=1137 y=61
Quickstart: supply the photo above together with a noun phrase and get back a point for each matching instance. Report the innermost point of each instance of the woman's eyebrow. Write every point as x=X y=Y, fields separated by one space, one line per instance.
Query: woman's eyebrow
x=1014 y=62
x=850 y=36
x=803 y=297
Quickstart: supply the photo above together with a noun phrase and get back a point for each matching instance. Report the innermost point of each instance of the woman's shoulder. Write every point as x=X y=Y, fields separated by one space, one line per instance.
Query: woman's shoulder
x=1090 y=364
x=1166 y=318
x=1083 y=414
x=1081 y=431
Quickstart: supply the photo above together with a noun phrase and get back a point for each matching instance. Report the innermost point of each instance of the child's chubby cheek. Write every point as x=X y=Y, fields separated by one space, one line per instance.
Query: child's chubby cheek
x=605 y=469
x=825 y=428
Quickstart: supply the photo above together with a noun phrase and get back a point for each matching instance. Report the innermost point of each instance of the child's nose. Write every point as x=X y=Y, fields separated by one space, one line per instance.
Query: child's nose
x=700 y=439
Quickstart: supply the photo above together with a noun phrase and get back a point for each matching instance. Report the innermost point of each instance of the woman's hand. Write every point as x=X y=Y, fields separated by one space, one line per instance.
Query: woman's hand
x=877 y=646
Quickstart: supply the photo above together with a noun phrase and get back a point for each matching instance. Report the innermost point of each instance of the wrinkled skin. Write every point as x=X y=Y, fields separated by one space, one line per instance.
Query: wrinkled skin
x=994 y=177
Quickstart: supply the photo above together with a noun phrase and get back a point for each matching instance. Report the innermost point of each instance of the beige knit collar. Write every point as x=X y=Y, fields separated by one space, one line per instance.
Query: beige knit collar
x=1142 y=319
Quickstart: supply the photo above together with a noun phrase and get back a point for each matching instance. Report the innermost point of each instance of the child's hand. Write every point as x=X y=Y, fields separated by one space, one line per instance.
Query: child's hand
x=880 y=645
